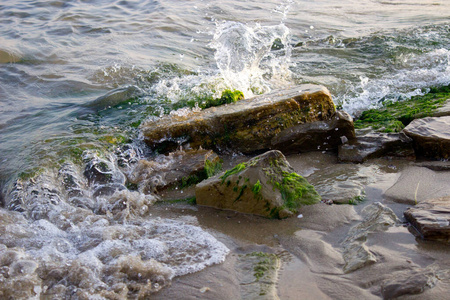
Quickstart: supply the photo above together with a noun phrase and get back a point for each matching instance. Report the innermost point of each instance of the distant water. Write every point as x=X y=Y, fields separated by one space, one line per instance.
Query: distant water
x=77 y=78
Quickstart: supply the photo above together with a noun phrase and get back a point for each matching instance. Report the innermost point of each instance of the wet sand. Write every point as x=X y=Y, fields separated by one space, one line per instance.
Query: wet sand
x=310 y=248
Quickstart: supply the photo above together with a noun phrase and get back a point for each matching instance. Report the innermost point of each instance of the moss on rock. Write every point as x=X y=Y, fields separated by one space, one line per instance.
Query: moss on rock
x=265 y=185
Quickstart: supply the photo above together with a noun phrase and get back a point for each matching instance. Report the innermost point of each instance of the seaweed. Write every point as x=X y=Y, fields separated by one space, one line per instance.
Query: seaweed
x=394 y=116
x=238 y=168
x=295 y=191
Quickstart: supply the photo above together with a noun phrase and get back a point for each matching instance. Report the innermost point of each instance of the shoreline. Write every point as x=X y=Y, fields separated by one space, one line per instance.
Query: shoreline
x=313 y=243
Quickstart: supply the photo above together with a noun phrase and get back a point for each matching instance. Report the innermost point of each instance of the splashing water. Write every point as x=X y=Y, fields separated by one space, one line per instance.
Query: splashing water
x=418 y=72
x=251 y=59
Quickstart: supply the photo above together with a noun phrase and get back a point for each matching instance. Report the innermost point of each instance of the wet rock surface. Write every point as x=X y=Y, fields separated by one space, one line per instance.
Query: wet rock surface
x=431 y=218
x=417 y=184
x=266 y=185
x=375 y=144
x=408 y=282
x=316 y=136
x=431 y=136
x=176 y=169
x=247 y=125
x=376 y=217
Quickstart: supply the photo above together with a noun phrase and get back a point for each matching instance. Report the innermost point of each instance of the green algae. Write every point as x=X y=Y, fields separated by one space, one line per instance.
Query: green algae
x=210 y=169
x=357 y=200
x=236 y=169
x=394 y=116
x=213 y=167
x=207 y=101
x=256 y=188
x=296 y=191
x=267 y=262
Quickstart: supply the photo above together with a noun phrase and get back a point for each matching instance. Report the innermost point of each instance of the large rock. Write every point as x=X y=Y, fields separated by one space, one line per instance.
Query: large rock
x=319 y=135
x=417 y=184
x=408 y=282
x=431 y=218
x=431 y=136
x=265 y=185
x=248 y=125
x=376 y=144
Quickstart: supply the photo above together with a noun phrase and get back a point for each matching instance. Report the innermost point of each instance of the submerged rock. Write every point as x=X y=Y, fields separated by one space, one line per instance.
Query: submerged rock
x=408 y=282
x=179 y=168
x=320 y=135
x=265 y=185
x=417 y=184
x=258 y=272
x=431 y=136
x=375 y=144
x=248 y=125
x=377 y=217
x=431 y=218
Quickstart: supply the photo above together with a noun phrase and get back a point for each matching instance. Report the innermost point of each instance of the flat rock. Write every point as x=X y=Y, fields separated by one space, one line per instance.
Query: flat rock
x=431 y=218
x=431 y=136
x=408 y=282
x=444 y=110
x=320 y=135
x=376 y=144
x=376 y=218
x=248 y=125
x=265 y=185
x=417 y=184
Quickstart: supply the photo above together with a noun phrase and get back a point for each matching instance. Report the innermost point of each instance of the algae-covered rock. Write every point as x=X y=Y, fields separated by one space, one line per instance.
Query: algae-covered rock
x=431 y=218
x=265 y=185
x=258 y=272
x=247 y=125
x=431 y=136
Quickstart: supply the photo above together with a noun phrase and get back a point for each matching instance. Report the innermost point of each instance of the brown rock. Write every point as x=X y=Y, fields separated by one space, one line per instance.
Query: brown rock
x=408 y=282
x=248 y=125
x=431 y=218
x=431 y=136
x=265 y=185
x=375 y=144
x=316 y=136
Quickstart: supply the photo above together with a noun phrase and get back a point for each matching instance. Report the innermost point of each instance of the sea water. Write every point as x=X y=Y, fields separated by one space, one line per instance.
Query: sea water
x=78 y=77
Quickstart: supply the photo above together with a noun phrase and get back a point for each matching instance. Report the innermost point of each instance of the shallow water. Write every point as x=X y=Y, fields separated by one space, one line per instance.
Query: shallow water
x=77 y=78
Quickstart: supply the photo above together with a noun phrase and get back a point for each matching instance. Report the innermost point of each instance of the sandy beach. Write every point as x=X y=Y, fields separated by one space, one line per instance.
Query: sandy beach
x=310 y=247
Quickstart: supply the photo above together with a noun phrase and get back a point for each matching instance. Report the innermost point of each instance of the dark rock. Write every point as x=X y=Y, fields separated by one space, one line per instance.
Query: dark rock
x=376 y=144
x=408 y=283
x=178 y=168
x=316 y=136
x=431 y=218
x=435 y=165
x=108 y=189
x=431 y=136
x=265 y=185
x=248 y=125
x=74 y=183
